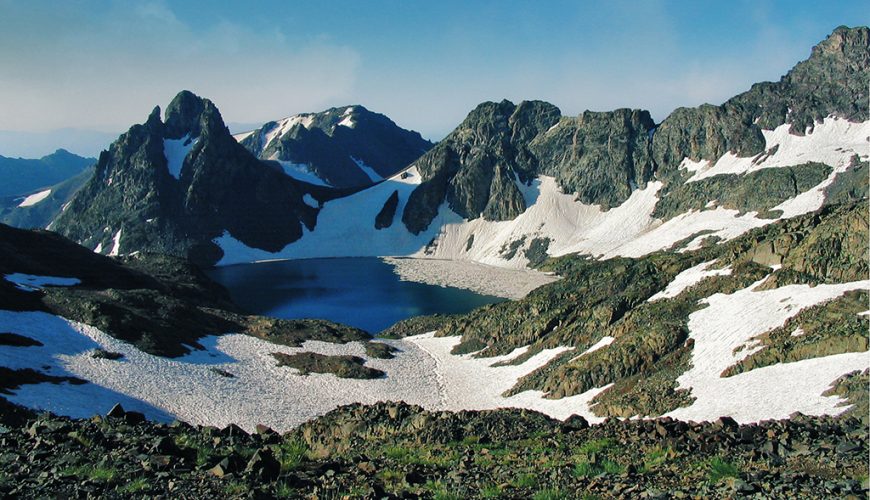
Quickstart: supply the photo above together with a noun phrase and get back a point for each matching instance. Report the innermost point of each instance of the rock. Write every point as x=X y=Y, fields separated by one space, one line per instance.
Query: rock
x=576 y=422
x=117 y=411
x=263 y=465
x=726 y=423
x=134 y=417
x=845 y=447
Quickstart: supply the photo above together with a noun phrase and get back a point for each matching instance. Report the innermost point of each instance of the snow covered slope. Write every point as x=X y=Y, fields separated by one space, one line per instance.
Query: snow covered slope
x=567 y=225
x=347 y=147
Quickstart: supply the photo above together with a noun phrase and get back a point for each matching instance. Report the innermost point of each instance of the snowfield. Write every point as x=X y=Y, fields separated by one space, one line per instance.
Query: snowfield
x=424 y=372
x=35 y=198
x=569 y=225
x=775 y=391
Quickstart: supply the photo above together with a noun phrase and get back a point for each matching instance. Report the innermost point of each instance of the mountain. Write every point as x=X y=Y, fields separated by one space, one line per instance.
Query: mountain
x=38 y=209
x=172 y=186
x=515 y=183
x=347 y=147
x=19 y=176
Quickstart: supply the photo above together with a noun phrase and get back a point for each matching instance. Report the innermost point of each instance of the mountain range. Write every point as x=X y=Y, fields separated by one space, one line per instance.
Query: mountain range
x=712 y=268
x=561 y=182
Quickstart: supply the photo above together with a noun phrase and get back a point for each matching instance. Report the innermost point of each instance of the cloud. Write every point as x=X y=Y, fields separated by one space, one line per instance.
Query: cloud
x=106 y=71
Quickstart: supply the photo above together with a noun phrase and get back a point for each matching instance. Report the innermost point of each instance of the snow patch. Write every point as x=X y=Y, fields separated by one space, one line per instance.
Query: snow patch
x=310 y=201
x=302 y=172
x=689 y=278
x=423 y=373
x=31 y=282
x=369 y=171
x=479 y=278
x=347 y=122
x=35 y=198
x=283 y=126
x=116 y=244
x=175 y=151
x=832 y=141
x=604 y=342
x=771 y=392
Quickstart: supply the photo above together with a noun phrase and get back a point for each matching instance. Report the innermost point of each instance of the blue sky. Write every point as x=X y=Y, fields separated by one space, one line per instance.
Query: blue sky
x=75 y=73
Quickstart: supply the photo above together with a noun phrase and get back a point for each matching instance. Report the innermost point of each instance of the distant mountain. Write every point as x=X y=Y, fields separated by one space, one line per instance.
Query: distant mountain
x=172 y=186
x=342 y=147
x=20 y=175
x=37 y=210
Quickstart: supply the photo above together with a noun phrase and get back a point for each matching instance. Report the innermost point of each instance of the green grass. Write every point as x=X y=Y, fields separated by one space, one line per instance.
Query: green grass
x=596 y=446
x=439 y=491
x=490 y=491
x=235 y=488
x=584 y=468
x=393 y=480
x=525 y=481
x=657 y=456
x=93 y=472
x=137 y=485
x=283 y=490
x=399 y=453
x=291 y=453
x=549 y=494
x=718 y=469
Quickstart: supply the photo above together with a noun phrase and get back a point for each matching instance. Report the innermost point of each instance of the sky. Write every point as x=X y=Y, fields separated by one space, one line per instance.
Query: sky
x=76 y=73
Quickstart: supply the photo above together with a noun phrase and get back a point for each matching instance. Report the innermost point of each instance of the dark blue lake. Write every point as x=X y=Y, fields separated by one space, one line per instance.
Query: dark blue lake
x=361 y=292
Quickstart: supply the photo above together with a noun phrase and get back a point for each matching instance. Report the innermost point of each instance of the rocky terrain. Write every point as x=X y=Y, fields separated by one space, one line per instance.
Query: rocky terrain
x=173 y=186
x=349 y=147
x=393 y=450
x=160 y=304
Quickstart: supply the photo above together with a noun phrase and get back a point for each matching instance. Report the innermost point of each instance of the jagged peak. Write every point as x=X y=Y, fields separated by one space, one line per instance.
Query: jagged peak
x=843 y=38
x=188 y=113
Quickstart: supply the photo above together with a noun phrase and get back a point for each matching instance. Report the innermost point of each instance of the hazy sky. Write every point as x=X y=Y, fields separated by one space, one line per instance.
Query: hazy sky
x=92 y=67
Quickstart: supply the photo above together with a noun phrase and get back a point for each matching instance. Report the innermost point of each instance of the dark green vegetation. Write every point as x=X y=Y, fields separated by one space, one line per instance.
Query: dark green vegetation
x=853 y=184
x=157 y=303
x=652 y=347
x=400 y=451
x=833 y=327
x=340 y=366
x=417 y=325
x=852 y=387
x=19 y=176
x=380 y=350
x=332 y=150
x=760 y=190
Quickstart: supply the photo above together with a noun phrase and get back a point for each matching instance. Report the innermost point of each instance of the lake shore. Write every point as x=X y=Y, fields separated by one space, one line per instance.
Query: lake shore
x=479 y=278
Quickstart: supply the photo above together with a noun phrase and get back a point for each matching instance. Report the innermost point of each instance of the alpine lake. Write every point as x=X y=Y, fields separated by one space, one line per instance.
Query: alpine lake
x=363 y=292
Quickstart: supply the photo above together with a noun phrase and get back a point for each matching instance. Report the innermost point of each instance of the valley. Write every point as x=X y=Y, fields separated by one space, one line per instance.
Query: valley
x=536 y=305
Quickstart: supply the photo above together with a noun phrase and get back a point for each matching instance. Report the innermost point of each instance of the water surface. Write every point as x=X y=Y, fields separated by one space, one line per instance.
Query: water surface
x=362 y=292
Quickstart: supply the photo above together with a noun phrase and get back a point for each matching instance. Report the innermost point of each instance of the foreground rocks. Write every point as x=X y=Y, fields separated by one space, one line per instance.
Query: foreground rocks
x=392 y=450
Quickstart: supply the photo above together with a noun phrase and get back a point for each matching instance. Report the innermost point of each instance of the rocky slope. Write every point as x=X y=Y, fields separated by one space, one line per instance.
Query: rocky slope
x=19 y=176
x=400 y=451
x=173 y=186
x=347 y=147
x=515 y=183
x=160 y=304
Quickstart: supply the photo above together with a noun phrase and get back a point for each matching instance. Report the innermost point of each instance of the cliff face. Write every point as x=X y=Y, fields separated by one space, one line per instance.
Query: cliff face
x=172 y=186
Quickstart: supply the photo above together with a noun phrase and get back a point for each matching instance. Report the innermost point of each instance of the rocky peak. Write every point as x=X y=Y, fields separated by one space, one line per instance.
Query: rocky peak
x=342 y=146
x=188 y=113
